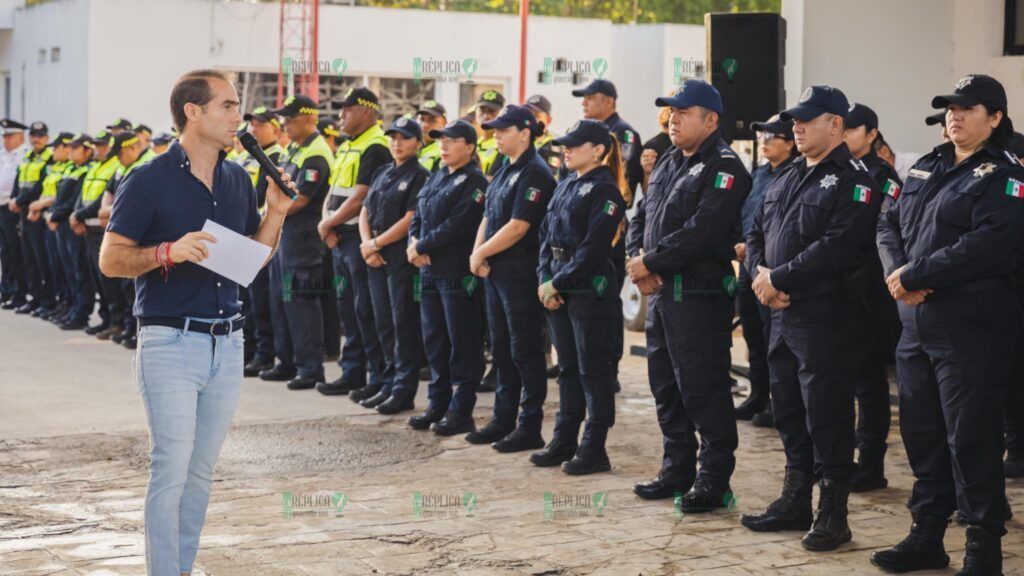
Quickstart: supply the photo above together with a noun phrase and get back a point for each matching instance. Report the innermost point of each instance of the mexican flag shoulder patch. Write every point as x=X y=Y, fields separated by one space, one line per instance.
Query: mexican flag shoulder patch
x=892 y=189
x=1015 y=188
x=478 y=196
x=724 y=181
x=610 y=208
x=862 y=194
x=311 y=175
x=533 y=194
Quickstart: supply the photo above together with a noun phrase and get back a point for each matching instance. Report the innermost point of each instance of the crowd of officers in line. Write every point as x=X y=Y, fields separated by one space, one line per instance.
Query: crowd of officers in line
x=432 y=238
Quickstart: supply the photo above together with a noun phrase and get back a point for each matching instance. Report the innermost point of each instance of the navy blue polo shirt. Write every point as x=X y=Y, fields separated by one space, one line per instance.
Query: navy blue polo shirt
x=161 y=202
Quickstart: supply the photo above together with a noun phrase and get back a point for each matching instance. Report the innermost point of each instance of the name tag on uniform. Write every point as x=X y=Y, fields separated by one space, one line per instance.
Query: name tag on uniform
x=915 y=173
x=341 y=191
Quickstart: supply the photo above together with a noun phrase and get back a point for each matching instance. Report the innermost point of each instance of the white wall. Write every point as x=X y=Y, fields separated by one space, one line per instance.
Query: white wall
x=893 y=56
x=978 y=48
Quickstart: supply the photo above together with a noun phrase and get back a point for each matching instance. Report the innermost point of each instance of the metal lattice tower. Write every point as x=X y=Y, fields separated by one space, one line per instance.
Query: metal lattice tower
x=298 y=69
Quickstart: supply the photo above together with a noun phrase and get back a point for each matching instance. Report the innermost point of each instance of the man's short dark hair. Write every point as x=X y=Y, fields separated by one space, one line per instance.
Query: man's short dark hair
x=193 y=88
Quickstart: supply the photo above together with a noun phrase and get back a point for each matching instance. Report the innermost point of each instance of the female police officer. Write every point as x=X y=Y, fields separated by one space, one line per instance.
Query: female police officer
x=505 y=254
x=579 y=287
x=383 y=227
x=448 y=212
x=947 y=245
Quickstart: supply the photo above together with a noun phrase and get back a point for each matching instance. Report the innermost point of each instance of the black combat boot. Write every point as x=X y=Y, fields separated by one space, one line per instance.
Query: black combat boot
x=922 y=549
x=830 y=529
x=792 y=511
x=706 y=496
x=870 y=475
x=591 y=458
x=563 y=445
x=984 y=555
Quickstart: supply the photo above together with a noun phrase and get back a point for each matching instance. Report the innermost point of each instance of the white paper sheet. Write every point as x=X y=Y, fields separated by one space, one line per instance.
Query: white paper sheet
x=233 y=256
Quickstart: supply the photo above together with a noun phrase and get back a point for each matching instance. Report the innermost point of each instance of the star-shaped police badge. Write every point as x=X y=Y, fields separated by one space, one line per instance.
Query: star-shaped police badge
x=828 y=181
x=697 y=168
x=586 y=188
x=984 y=169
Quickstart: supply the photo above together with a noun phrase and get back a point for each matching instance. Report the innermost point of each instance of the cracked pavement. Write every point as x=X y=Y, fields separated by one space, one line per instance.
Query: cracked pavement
x=367 y=495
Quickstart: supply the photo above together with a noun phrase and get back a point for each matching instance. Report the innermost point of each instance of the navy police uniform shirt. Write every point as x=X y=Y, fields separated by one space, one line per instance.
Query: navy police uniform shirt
x=885 y=176
x=392 y=194
x=582 y=220
x=955 y=223
x=161 y=202
x=630 y=147
x=689 y=219
x=520 y=190
x=301 y=246
x=814 y=223
x=448 y=213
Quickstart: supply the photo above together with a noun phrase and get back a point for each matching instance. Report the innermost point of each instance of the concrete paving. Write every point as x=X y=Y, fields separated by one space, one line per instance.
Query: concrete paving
x=311 y=485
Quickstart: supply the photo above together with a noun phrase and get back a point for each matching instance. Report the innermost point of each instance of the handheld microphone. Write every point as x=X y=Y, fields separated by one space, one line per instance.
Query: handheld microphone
x=253 y=148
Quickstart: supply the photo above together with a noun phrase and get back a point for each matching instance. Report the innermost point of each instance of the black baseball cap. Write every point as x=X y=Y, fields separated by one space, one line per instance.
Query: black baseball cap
x=456 y=129
x=406 y=127
x=693 y=93
x=298 y=105
x=163 y=138
x=539 y=103
x=433 y=108
x=774 y=125
x=12 y=126
x=328 y=127
x=103 y=138
x=586 y=131
x=62 y=139
x=122 y=123
x=140 y=128
x=491 y=99
x=861 y=115
x=123 y=140
x=513 y=115
x=815 y=101
x=974 y=89
x=263 y=114
x=361 y=96
x=38 y=128
x=82 y=140
x=599 y=86
x=938 y=118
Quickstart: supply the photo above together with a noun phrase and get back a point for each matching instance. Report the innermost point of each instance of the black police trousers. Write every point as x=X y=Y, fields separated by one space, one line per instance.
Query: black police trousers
x=259 y=314
x=12 y=274
x=93 y=242
x=361 y=355
x=453 y=340
x=516 y=317
x=1015 y=396
x=37 y=263
x=396 y=315
x=688 y=341
x=297 y=316
x=756 y=323
x=811 y=357
x=871 y=381
x=583 y=333
x=953 y=362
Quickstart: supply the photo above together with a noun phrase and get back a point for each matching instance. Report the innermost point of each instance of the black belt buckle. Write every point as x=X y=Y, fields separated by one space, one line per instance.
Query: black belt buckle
x=558 y=253
x=225 y=323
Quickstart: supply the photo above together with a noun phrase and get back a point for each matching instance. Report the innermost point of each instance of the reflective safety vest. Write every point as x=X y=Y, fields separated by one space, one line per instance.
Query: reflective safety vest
x=31 y=168
x=253 y=167
x=54 y=173
x=146 y=156
x=488 y=152
x=96 y=179
x=430 y=156
x=346 y=166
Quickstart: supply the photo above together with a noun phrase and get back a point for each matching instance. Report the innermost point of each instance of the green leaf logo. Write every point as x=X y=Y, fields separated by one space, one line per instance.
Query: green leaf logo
x=600 y=66
x=286 y=65
x=730 y=65
x=339 y=65
x=600 y=501
x=469 y=67
x=600 y=283
x=729 y=285
x=469 y=284
x=469 y=501
x=339 y=499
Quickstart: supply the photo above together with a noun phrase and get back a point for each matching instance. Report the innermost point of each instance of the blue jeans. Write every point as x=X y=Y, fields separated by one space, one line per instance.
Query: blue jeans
x=189 y=383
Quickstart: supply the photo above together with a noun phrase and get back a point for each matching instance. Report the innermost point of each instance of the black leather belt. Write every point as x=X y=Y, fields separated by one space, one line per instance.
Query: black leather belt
x=219 y=328
x=561 y=254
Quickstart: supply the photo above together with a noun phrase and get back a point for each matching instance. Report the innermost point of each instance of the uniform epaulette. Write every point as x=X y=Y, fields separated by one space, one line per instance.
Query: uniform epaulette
x=1013 y=158
x=858 y=165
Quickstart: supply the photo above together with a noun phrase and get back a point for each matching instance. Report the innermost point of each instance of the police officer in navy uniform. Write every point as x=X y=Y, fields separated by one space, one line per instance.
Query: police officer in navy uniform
x=775 y=139
x=871 y=382
x=579 y=287
x=384 y=229
x=266 y=128
x=73 y=246
x=681 y=245
x=599 y=103
x=948 y=247
x=448 y=212
x=547 y=149
x=808 y=238
x=296 y=274
x=505 y=255
x=37 y=267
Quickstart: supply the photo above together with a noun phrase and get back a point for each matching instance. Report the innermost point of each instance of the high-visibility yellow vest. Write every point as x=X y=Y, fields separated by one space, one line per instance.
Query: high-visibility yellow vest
x=144 y=158
x=31 y=168
x=97 y=178
x=488 y=152
x=346 y=166
x=54 y=173
x=430 y=156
